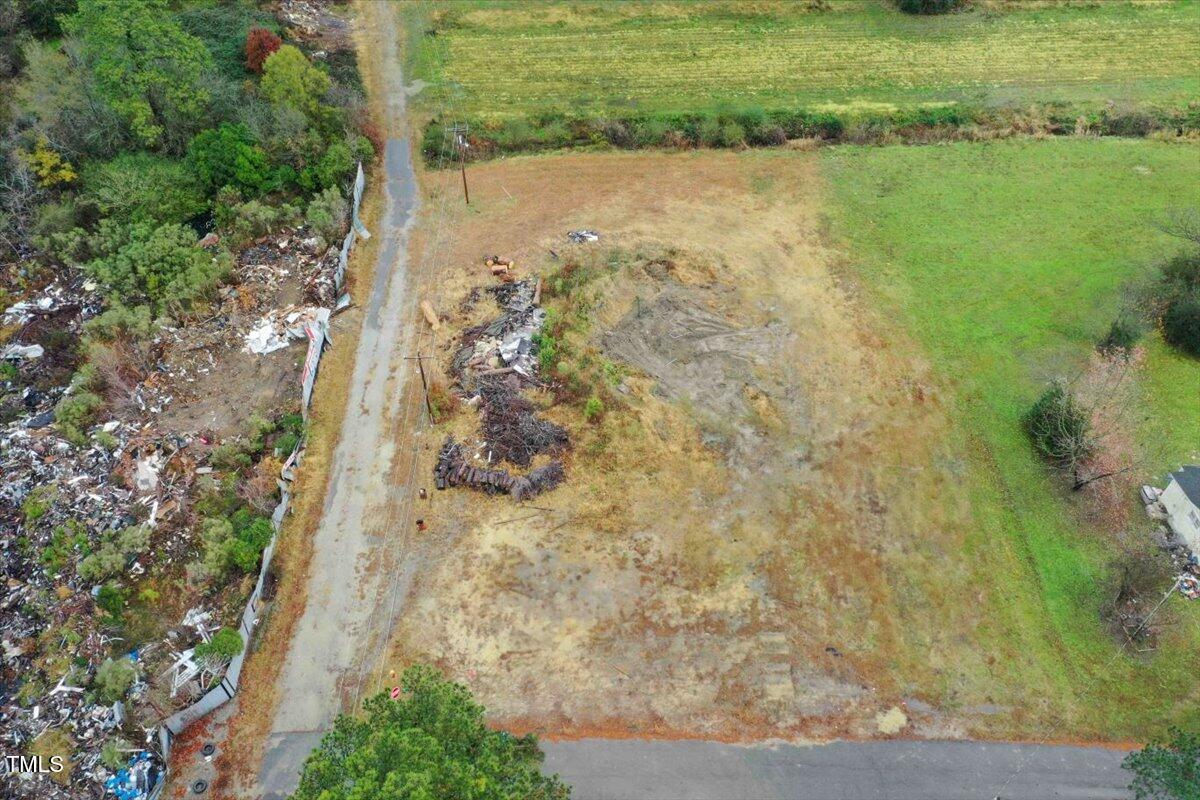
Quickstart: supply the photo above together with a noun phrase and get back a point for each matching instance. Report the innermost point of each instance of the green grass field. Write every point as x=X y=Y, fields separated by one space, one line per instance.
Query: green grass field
x=508 y=59
x=1007 y=262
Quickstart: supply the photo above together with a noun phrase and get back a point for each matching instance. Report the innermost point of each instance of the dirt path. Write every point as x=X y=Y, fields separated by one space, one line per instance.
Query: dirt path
x=351 y=586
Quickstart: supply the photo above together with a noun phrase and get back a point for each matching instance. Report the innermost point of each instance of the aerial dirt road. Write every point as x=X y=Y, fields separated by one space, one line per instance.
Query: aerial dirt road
x=352 y=586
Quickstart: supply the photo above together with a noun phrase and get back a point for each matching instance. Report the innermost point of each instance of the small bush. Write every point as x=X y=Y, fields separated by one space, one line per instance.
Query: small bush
x=121 y=322
x=593 y=409
x=111 y=600
x=37 y=503
x=224 y=645
x=231 y=456
x=1132 y=122
x=929 y=6
x=260 y=43
x=327 y=214
x=1181 y=324
x=115 y=753
x=1181 y=274
x=113 y=679
x=732 y=135
x=115 y=550
x=104 y=563
x=1125 y=332
x=251 y=220
x=1058 y=427
x=235 y=542
x=75 y=413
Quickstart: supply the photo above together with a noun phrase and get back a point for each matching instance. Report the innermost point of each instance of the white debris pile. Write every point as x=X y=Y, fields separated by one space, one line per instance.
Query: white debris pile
x=279 y=328
x=583 y=236
x=506 y=343
x=78 y=295
x=311 y=20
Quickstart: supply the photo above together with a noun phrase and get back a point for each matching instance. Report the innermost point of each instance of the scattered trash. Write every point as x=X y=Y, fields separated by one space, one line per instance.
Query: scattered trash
x=136 y=780
x=583 y=236
x=279 y=328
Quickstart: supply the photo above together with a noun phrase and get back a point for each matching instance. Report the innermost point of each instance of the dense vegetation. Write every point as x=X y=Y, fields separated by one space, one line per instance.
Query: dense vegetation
x=429 y=742
x=135 y=128
x=142 y=144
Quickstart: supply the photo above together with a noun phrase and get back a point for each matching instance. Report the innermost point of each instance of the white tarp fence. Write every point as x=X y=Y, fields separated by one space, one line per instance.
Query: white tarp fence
x=317 y=332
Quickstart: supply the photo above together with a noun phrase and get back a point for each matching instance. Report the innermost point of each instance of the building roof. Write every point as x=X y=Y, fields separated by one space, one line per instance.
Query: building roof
x=1188 y=479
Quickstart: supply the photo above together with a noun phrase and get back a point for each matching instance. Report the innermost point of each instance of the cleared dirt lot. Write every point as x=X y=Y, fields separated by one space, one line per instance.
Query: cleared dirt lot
x=763 y=539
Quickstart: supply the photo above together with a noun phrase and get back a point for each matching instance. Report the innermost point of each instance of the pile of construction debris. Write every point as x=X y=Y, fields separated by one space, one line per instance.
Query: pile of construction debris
x=313 y=22
x=506 y=343
x=494 y=363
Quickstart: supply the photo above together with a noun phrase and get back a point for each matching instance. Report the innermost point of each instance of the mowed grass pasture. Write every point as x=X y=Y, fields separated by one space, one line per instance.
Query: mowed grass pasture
x=505 y=59
x=1007 y=261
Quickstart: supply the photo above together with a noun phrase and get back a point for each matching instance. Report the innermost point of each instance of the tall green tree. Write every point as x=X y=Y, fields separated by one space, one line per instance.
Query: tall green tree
x=146 y=68
x=1167 y=770
x=289 y=79
x=430 y=744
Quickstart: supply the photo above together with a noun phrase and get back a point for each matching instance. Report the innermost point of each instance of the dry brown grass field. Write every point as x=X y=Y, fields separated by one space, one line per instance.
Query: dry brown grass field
x=764 y=538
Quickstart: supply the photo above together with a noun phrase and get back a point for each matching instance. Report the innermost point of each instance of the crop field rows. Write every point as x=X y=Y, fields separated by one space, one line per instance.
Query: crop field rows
x=858 y=53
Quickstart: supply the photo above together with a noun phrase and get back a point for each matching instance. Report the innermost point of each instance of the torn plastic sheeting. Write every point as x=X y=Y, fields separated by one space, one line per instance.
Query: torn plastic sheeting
x=18 y=352
x=278 y=328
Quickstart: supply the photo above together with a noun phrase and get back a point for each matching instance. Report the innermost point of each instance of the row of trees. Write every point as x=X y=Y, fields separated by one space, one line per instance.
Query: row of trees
x=131 y=127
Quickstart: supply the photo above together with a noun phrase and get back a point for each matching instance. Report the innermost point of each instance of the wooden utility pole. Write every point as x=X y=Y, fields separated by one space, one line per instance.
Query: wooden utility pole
x=457 y=134
x=420 y=359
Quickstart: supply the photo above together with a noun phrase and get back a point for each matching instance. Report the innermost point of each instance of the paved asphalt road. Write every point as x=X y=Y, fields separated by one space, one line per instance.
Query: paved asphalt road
x=625 y=769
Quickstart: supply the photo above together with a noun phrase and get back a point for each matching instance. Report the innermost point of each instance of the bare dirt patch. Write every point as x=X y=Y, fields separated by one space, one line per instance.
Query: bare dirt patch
x=758 y=539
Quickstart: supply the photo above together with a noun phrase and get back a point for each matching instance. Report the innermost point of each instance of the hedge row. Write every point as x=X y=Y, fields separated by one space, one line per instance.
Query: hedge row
x=756 y=128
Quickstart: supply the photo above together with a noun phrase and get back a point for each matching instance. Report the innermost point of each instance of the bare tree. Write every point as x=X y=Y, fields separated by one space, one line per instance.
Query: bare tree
x=1181 y=222
x=19 y=194
x=1078 y=425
